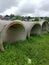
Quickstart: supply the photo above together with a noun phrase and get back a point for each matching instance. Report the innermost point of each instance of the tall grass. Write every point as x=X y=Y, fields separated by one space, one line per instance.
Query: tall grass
x=36 y=48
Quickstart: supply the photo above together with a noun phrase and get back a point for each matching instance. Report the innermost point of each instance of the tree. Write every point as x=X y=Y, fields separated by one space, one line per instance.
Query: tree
x=46 y=18
x=17 y=18
x=12 y=15
x=6 y=15
x=28 y=18
x=36 y=19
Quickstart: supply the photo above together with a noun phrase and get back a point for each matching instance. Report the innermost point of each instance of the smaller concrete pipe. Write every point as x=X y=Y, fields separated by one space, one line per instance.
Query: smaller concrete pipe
x=36 y=29
x=44 y=27
x=48 y=26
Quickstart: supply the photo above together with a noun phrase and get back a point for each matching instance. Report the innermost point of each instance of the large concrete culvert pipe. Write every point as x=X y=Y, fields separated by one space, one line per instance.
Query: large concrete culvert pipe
x=11 y=31
x=44 y=27
x=36 y=29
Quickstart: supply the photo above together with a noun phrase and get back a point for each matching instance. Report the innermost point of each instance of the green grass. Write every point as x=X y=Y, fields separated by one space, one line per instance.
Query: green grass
x=35 y=48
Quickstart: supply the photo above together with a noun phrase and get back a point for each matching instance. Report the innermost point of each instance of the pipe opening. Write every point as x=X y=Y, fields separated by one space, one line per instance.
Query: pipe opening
x=45 y=27
x=15 y=32
x=36 y=29
x=48 y=27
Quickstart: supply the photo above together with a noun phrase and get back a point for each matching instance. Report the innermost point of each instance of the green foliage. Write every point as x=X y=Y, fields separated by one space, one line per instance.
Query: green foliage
x=17 y=18
x=35 y=48
x=46 y=18
x=36 y=19
x=11 y=16
x=6 y=15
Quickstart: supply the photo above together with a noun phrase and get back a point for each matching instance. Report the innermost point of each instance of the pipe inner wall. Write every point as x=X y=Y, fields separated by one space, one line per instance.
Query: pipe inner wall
x=45 y=27
x=36 y=29
x=15 y=32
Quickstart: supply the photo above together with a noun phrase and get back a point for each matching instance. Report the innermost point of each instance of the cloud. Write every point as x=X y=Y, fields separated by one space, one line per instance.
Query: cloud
x=45 y=5
x=6 y=4
x=12 y=10
x=25 y=7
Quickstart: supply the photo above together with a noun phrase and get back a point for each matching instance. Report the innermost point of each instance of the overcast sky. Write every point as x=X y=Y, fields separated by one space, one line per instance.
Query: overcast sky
x=24 y=7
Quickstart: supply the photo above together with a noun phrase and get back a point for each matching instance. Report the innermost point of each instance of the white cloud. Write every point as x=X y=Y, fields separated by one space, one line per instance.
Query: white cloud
x=25 y=7
x=12 y=10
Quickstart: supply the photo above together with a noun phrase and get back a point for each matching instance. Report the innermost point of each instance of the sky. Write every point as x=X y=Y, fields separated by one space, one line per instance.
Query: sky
x=24 y=7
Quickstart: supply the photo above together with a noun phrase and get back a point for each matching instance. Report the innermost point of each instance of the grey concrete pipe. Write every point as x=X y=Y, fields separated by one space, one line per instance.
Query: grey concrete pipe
x=36 y=29
x=48 y=26
x=44 y=27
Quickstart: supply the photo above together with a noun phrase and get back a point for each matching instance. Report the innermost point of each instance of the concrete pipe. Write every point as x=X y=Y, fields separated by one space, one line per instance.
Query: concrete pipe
x=48 y=26
x=44 y=27
x=36 y=29
x=11 y=31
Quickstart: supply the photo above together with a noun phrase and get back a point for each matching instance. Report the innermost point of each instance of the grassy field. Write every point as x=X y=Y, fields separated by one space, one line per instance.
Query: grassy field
x=34 y=51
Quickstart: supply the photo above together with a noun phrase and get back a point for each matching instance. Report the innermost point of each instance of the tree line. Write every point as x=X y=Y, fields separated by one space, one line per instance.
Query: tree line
x=25 y=18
